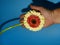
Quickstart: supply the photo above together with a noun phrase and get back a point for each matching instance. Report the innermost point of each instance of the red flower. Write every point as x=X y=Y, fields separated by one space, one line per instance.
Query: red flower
x=33 y=20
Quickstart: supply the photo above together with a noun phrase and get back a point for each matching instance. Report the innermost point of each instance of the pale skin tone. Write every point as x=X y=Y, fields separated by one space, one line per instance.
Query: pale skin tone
x=51 y=17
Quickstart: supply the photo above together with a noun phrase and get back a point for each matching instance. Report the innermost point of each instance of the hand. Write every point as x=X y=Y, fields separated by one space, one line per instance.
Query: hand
x=46 y=13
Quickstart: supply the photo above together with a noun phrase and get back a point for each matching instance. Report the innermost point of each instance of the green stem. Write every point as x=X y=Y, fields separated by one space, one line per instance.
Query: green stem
x=10 y=28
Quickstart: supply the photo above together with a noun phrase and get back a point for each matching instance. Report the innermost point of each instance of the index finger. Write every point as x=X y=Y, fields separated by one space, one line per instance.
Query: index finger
x=37 y=8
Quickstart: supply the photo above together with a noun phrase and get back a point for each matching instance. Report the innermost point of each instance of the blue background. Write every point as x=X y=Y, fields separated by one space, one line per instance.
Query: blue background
x=20 y=36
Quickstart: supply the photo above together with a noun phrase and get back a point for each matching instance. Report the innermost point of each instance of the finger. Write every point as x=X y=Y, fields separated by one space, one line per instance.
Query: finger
x=21 y=21
x=23 y=26
x=22 y=16
x=37 y=8
x=34 y=7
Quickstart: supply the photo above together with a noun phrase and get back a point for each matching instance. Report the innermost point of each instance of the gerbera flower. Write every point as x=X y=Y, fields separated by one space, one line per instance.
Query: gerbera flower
x=33 y=20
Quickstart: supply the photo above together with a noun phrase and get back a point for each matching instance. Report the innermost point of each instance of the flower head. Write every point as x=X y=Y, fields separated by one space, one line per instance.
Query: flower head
x=33 y=20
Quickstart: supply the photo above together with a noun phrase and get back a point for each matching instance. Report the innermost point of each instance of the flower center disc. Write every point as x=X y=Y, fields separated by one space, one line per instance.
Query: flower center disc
x=33 y=21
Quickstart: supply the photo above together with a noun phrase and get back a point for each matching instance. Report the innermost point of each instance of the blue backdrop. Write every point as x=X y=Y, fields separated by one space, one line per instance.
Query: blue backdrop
x=20 y=36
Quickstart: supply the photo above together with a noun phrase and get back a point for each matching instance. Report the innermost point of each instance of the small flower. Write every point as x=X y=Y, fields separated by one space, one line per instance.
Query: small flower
x=34 y=21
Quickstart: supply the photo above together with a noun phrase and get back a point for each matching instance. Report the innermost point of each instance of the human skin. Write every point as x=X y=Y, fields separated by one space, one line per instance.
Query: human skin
x=51 y=16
